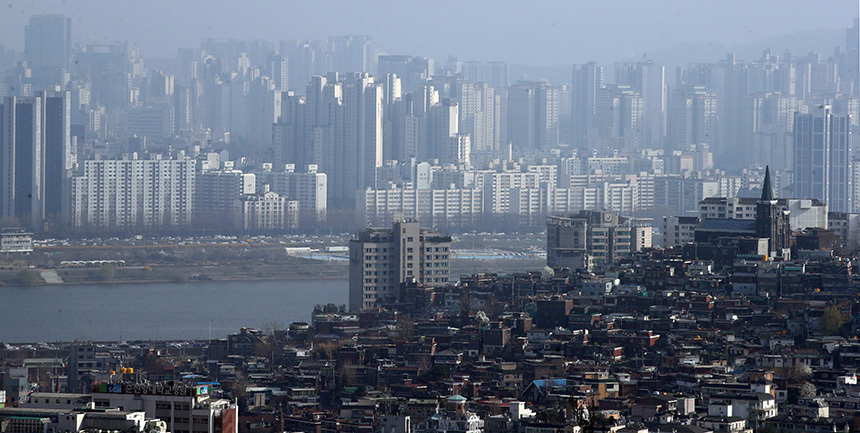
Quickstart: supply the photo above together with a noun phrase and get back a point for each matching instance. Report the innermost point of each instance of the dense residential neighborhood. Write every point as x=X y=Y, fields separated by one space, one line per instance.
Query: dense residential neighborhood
x=653 y=340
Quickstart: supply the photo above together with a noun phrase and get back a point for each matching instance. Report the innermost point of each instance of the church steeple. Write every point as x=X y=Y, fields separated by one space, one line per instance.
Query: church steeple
x=766 y=189
x=771 y=223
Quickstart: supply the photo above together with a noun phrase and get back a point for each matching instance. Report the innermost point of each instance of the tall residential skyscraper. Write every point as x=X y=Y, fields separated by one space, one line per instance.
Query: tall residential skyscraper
x=443 y=123
x=264 y=109
x=56 y=119
x=278 y=69
x=380 y=260
x=692 y=118
x=322 y=111
x=735 y=86
x=493 y=73
x=532 y=115
x=768 y=123
x=650 y=79
x=350 y=54
x=414 y=71
x=288 y=139
x=479 y=114
x=521 y=104
x=305 y=59
x=619 y=119
x=822 y=149
x=358 y=151
x=587 y=80
x=411 y=124
x=35 y=159
x=48 y=47
x=392 y=106
x=113 y=69
x=23 y=164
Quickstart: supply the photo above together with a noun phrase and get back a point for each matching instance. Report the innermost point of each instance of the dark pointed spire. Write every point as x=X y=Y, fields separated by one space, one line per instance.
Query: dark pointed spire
x=766 y=189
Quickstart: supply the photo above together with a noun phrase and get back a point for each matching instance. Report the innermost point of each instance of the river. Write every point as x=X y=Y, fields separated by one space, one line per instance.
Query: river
x=163 y=311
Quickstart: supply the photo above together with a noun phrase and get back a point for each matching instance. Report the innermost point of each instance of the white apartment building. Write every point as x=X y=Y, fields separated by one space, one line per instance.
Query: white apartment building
x=266 y=210
x=754 y=407
x=134 y=192
x=619 y=197
x=643 y=185
x=497 y=188
x=217 y=190
x=501 y=195
x=855 y=186
x=614 y=165
x=568 y=167
x=623 y=195
x=730 y=186
x=548 y=173
x=310 y=188
x=679 y=230
x=479 y=114
x=436 y=207
x=574 y=199
x=530 y=203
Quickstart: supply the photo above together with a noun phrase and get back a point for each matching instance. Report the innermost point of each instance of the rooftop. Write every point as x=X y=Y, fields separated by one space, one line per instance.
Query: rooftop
x=727 y=225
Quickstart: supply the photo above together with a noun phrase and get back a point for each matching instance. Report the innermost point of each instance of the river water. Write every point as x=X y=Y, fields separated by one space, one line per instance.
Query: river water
x=162 y=311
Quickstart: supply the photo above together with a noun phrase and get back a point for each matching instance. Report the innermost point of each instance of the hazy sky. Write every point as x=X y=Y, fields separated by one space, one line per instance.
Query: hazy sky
x=516 y=31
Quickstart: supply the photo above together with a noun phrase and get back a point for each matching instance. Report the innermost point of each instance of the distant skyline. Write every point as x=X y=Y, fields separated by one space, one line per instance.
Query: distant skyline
x=549 y=33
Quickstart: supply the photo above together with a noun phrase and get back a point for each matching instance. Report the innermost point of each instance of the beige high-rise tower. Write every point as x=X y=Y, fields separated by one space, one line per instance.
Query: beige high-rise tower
x=381 y=259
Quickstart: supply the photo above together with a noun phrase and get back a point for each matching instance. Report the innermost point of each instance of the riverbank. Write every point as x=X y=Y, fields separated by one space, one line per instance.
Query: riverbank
x=172 y=261
x=290 y=269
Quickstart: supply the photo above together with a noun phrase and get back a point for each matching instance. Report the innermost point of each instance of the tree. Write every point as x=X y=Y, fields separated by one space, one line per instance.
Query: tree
x=107 y=273
x=345 y=375
x=548 y=272
x=325 y=350
x=405 y=327
x=435 y=374
x=799 y=373
x=175 y=276
x=832 y=320
x=767 y=429
x=304 y=337
x=550 y=416
x=586 y=417
x=26 y=277
x=807 y=389
x=329 y=308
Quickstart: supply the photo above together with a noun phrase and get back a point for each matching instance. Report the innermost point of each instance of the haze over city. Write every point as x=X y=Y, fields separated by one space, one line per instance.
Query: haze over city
x=546 y=33
x=437 y=217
